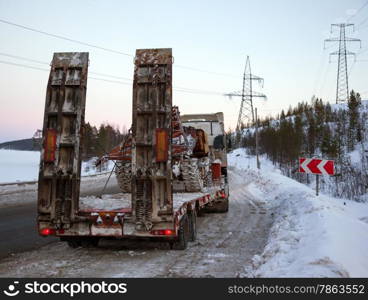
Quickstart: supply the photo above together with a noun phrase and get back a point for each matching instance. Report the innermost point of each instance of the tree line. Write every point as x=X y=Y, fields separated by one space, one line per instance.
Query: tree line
x=315 y=129
x=98 y=141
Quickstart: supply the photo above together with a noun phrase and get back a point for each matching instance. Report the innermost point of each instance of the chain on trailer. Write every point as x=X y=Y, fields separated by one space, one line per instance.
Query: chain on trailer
x=152 y=199
x=60 y=164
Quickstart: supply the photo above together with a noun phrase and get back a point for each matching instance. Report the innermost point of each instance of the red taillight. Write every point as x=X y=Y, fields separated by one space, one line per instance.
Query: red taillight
x=168 y=232
x=163 y=232
x=47 y=231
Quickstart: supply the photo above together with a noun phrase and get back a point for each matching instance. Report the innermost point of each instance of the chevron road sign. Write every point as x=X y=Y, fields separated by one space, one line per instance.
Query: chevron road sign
x=316 y=166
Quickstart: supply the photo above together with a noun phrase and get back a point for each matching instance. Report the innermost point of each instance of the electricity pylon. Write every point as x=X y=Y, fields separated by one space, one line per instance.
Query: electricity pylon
x=246 y=112
x=342 y=82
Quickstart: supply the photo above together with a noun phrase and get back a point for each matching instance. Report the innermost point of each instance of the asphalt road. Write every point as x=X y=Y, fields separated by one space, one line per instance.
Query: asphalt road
x=225 y=246
x=18 y=230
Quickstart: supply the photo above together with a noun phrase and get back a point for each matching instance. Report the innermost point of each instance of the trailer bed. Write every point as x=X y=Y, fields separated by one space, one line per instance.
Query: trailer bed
x=123 y=201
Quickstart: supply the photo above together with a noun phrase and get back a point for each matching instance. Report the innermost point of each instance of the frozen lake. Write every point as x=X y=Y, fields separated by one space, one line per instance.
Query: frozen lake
x=23 y=166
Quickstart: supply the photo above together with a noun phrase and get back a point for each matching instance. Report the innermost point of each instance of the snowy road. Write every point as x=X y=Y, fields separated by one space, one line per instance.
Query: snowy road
x=18 y=213
x=225 y=244
x=276 y=227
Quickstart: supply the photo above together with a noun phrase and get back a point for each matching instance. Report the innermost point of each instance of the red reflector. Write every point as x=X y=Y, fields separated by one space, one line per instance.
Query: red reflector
x=47 y=231
x=162 y=232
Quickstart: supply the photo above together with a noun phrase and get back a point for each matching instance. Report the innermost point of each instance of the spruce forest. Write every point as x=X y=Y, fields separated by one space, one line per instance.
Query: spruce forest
x=317 y=129
x=99 y=141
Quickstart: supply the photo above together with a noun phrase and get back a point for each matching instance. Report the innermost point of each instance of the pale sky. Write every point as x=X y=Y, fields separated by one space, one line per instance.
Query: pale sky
x=283 y=38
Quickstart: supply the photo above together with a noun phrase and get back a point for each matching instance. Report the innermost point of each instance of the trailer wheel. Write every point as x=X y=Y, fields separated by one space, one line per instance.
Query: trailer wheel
x=74 y=242
x=224 y=206
x=218 y=207
x=89 y=242
x=192 y=226
x=183 y=235
x=200 y=211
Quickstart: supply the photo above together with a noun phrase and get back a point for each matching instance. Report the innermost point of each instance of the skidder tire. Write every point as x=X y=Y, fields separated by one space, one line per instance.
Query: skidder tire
x=191 y=175
x=123 y=173
x=183 y=235
x=192 y=225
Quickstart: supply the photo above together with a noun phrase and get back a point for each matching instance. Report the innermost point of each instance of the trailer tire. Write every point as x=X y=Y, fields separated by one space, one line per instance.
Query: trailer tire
x=219 y=207
x=224 y=207
x=74 y=243
x=200 y=211
x=192 y=225
x=89 y=242
x=183 y=235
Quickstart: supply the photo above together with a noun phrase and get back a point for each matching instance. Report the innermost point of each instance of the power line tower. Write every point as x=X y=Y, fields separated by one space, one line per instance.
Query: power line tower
x=246 y=112
x=342 y=84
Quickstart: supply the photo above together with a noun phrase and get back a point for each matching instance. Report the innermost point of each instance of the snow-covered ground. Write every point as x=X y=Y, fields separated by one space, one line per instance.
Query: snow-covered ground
x=275 y=227
x=24 y=166
x=225 y=244
x=311 y=236
x=18 y=194
x=344 y=106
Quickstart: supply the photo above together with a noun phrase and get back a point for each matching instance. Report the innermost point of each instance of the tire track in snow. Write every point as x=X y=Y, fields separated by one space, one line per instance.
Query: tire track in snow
x=226 y=243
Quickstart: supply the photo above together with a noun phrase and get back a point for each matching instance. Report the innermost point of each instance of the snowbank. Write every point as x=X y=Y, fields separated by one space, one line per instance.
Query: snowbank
x=24 y=166
x=311 y=236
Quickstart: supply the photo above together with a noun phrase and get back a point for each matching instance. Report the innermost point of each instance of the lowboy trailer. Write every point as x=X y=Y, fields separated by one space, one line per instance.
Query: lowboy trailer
x=151 y=210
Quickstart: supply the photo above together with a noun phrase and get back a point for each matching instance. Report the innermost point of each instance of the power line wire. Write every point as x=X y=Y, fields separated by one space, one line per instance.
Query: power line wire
x=358 y=11
x=178 y=89
x=195 y=91
x=204 y=71
x=111 y=76
x=45 y=63
x=96 y=73
x=24 y=58
x=362 y=51
x=361 y=23
x=65 y=38
x=22 y=65
x=109 y=80
x=351 y=68
x=103 y=48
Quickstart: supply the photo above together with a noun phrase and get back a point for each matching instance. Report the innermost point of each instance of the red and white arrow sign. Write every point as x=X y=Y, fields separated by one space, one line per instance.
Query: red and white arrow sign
x=316 y=166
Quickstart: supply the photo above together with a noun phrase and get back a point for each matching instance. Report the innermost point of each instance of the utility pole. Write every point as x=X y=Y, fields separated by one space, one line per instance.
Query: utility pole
x=246 y=112
x=257 y=141
x=342 y=85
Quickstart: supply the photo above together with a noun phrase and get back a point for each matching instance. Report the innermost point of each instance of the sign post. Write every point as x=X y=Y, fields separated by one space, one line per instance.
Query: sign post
x=317 y=166
x=257 y=148
x=317 y=184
